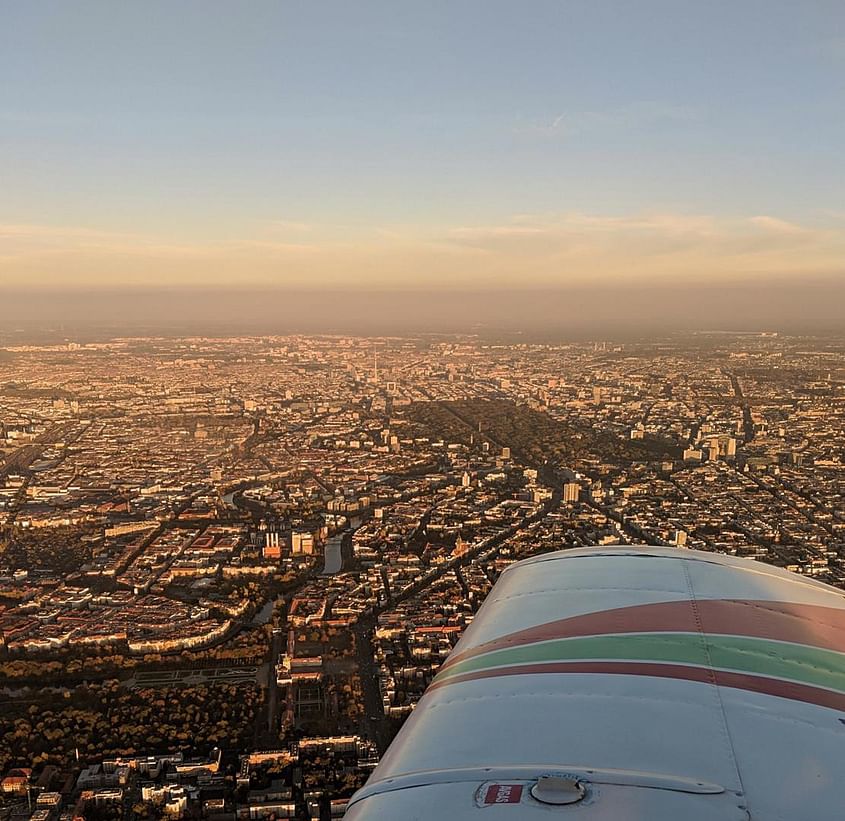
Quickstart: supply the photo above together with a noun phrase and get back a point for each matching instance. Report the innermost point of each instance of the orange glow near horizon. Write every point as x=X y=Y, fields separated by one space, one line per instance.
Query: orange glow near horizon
x=525 y=251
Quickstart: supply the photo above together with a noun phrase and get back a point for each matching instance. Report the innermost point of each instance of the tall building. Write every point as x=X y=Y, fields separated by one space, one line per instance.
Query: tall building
x=571 y=492
x=302 y=543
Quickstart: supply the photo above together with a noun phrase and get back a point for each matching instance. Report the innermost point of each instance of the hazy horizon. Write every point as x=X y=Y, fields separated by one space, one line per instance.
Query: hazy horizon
x=623 y=310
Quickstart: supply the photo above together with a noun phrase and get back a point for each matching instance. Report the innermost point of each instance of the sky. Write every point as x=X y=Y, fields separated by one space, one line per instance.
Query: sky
x=442 y=145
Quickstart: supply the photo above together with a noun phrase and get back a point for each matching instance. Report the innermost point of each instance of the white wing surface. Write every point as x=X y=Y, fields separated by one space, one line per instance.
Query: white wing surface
x=630 y=684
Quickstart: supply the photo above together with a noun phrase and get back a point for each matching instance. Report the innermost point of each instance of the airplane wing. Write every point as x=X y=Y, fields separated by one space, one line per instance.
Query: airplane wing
x=630 y=684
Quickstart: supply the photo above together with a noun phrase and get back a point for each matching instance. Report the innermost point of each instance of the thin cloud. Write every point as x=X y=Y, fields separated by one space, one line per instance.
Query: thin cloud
x=486 y=232
x=265 y=245
x=32 y=231
x=32 y=240
x=628 y=117
x=581 y=224
x=778 y=225
x=652 y=246
x=291 y=225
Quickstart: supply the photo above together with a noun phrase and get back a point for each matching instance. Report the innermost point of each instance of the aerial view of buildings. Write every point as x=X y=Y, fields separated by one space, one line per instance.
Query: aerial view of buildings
x=318 y=318
x=230 y=566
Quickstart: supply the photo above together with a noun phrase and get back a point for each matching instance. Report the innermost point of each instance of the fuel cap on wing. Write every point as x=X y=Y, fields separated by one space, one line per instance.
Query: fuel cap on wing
x=558 y=789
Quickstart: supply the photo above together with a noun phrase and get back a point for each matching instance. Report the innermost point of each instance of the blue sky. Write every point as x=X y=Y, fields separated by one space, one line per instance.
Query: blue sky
x=279 y=143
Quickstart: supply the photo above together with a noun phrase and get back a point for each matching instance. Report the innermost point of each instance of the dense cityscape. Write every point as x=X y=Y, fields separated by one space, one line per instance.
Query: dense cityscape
x=231 y=566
